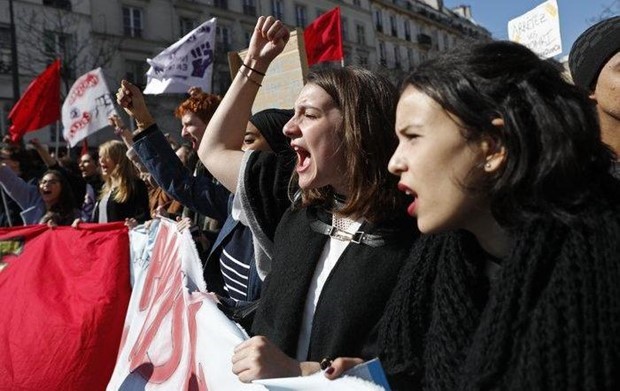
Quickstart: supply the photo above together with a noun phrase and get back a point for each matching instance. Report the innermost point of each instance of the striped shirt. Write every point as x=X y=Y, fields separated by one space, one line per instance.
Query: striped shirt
x=235 y=262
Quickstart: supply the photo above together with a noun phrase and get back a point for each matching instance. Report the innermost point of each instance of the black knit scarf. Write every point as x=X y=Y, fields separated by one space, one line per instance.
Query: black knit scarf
x=550 y=319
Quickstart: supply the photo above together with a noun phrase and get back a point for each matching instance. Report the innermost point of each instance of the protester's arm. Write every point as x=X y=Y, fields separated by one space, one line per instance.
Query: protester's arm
x=258 y=358
x=23 y=193
x=121 y=130
x=199 y=193
x=220 y=147
x=43 y=152
x=134 y=105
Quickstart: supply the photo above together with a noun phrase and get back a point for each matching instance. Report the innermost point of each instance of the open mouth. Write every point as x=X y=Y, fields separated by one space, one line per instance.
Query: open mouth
x=303 y=159
x=413 y=196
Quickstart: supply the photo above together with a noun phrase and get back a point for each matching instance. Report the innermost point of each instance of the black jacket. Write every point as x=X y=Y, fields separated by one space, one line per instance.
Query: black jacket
x=354 y=294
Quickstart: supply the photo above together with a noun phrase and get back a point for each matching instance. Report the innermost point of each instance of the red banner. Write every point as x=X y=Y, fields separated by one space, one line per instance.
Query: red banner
x=40 y=104
x=63 y=297
x=323 y=38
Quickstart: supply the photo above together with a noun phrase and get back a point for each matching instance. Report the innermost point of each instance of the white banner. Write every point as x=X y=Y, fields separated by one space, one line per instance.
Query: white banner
x=187 y=63
x=538 y=29
x=87 y=107
x=175 y=337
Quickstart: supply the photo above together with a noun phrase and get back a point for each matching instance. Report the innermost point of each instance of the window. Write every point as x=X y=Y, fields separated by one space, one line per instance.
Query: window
x=301 y=15
x=363 y=61
x=222 y=82
x=132 y=22
x=223 y=4
x=379 y=21
x=393 y=26
x=357 y=2
x=360 y=33
x=397 y=57
x=382 y=58
x=410 y=59
x=407 y=30
x=59 y=45
x=135 y=72
x=222 y=37
x=344 y=29
x=277 y=9
x=247 y=35
x=187 y=25
x=249 y=7
x=5 y=50
x=62 y=4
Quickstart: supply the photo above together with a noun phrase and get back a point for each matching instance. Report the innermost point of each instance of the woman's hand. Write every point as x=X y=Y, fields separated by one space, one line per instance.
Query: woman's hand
x=268 y=40
x=131 y=223
x=131 y=100
x=341 y=365
x=258 y=358
x=183 y=223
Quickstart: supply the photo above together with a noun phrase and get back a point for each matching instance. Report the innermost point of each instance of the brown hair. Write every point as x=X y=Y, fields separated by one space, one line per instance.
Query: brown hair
x=368 y=105
x=199 y=103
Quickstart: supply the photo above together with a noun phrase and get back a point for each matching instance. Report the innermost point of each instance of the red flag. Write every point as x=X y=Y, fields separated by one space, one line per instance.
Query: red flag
x=84 y=150
x=40 y=104
x=63 y=299
x=323 y=38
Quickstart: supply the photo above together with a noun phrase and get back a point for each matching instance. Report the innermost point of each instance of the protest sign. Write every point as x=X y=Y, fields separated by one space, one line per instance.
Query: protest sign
x=87 y=107
x=187 y=63
x=285 y=77
x=538 y=29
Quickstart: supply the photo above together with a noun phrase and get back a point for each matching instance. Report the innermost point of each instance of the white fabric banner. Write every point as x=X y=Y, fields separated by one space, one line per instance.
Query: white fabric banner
x=87 y=107
x=187 y=63
x=175 y=337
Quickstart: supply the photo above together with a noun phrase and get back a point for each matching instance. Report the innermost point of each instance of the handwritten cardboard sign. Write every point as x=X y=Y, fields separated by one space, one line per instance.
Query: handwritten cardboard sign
x=285 y=77
x=538 y=29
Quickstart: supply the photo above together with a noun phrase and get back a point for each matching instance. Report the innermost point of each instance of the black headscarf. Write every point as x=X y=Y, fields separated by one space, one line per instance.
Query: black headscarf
x=270 y=123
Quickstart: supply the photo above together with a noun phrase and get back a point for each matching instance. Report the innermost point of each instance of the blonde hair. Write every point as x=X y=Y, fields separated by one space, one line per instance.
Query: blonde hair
x=120 y=182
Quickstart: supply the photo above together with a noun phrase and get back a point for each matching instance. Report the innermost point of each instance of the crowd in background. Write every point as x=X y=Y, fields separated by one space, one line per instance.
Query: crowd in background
x=466 y=229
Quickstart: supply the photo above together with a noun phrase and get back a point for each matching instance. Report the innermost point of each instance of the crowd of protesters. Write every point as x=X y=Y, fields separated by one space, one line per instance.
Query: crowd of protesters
x=465 y=229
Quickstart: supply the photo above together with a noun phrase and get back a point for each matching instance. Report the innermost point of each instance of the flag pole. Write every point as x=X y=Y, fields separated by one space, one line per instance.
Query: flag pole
x=57 y=137
x=6 y=208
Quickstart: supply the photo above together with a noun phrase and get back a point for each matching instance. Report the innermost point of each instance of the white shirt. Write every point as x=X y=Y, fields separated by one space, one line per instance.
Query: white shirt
x=329 y=257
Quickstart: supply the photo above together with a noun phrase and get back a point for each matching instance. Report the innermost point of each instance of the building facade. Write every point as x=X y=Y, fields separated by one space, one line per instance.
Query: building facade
x=118 y=35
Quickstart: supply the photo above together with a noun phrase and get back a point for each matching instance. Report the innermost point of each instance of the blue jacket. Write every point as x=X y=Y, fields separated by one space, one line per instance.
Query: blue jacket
x=200 y=194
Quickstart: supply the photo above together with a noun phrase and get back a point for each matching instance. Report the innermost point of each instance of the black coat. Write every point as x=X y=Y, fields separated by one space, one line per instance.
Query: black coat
x=354 y=295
